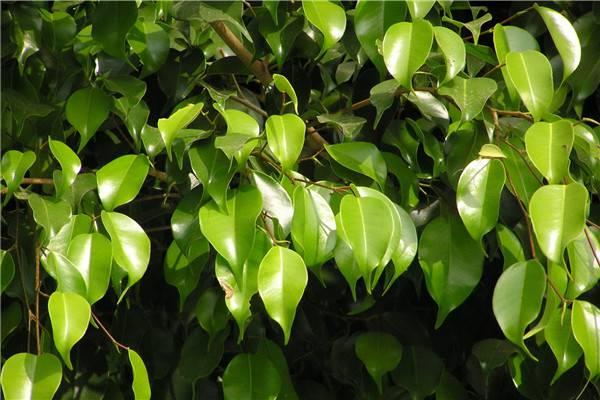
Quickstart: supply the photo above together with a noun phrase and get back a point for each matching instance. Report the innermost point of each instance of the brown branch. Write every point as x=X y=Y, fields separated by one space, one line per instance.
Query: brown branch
x=250 y=105
x=112 y=339
x=517 y=114
x=505 y=21
x=160 y=175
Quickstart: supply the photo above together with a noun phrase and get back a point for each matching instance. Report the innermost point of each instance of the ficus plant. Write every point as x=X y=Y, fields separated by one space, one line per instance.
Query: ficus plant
x=300 y=200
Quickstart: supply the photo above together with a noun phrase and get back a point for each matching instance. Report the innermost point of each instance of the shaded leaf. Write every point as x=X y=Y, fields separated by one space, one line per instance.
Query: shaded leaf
x=380 y=353
x=251 y=377
x=560 y=338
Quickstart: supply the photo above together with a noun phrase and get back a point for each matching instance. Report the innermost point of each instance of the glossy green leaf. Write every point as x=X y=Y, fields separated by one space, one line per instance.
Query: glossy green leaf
x=346 y=263
x=130 y=245
x=14 y=166
x=282 y=278
x=490 y=150
x=525 y=178
x=452 y=263
x=49 y=214
x=185 y=225
x=558 y=215
x=91 y=254
x=276 y=203
x=231 y=232
x=585 y=323
x=251 y=377
x=548 y=146
x=70 y=315
x=383 y=94
x=151 y=43
x=430 y=107
x=407 y=247
x=328 y=17
x=29 y=377
x=584 y=253
x=406 y=46
x=120 y=180
x=67 y=275
x=380 y=353
x=284 y=86
x=478 y=195
x=69 y=162
x=182 y=272
x=510 y=246
x=213 y=170
x=453 y=49
x=361 y=157
x=140 y=384
x=86 y=110
x=112 y=21
x=7 y=270
x=560 y=338
x=517 y=299
x=285 y=135
x=531 y=74
x=469 y=94
x=241 y=129
x=564 y=37
x=170 y=127
x=419 y=8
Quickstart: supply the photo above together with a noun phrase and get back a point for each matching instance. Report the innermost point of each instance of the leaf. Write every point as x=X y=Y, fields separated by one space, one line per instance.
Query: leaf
x=130 y=245
x=50 y=215
x=211 y=312
x=510 y=246
x=284 y=86
x=452 y=263
x=285 y=135
x=531 y=74
x=350 y=125
x=380 y=353
x=585 y=322
x=346 y=263
x=241 y=127
x=420 y=371
x=70 y=316
x=91 y=254
x=405 y=47
x=383 y=94
x=489 y=150
x=282 y=279
x=406 y=250
x=558 y=216
x=180 y=119
x=67 y=275
x=478 y=196
x=328 y=18
x=517 y=299
x=182 y=273
x=199 y=355
x=276 y=202
x=585 y=270
x=564 y=37
x=371 y=20
x=29 y=377
x=213 y=170
x=453 y=50
x=419 y=8
x=86 y=110
x=120 y=180
x=14 y=166
x=7 y=270
x=112 y=21
x=140 y=384
x=549 y=146
x=151 y=43
x=361 y=157
x=525 y=179
x=274 y=354
x=58 y=28
x=69 y=162
x=469 y=94
x=251 y=377
x=560 y=338
x=429 y=106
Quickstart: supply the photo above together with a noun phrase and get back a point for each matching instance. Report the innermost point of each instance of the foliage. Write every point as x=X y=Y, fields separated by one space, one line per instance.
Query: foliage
x=300 y=200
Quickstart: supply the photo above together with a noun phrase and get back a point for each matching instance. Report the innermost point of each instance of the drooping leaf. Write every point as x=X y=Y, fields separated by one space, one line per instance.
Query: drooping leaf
x=419 y=8
x=469 y=94
x=274 y=354
x=182 y=272
x=112 y=21
x=29 y=377
x=328 y=17
x=525 y=178
x=453 y=49
x=238 y=140
x=584 y=253
x=406 y=46
x=69 y=162
x=560 y=338
x=510 y=246
x=49 y=214
x=211 y=312
x=282 y=278
x=285 y=135
x=548 y=146
x=430 y=107
x=348 y=124
x=151 y=43
x=361 y=157
x=251 y=377
x=284 y=86
x=407 y=247
x=585 y=323
x=91 y=254
x=7 y=270
x=419 y=372
x=380 y=353
x=86 y=110
x=70 y=316
x=558 y=215
x=517 y=299
x=140 y=384
x=14 y=166
x=383 y=94
x=170 y=127
x=345 y=261
x=200 y=355
x=120 y=180
x=451 y=261
x=276 y=202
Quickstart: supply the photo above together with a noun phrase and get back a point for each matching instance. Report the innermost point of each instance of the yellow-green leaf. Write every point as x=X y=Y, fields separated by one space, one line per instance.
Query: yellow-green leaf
x=70 y=315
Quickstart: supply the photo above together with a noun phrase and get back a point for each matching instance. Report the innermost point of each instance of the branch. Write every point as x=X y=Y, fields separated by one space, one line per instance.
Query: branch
x=112 y=339
x=37 y=297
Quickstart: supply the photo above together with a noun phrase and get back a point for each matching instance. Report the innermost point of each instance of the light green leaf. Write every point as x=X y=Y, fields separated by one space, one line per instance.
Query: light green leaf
x=327 y=17
x=517 y=299
x=564 y=37
x=585 y=323
x=362 y=157
x=91 y=254
x=276 y=202
x=185 y=225
x=531 y=74
x=251 y=377
x=406 y=46
x=345 y=261
x=285 y=135
x=452 y=263
x=419 y=8
x=86 y=110
x=14 y=166
x=213 y=170
x=130 y=87
x=49 y=214
x=585 y=271
x=558 y=215
x=7 y=270
x=112 y=21
x=29 y=377
x=549 y=146
x=284 y=86
x=453 y=50
x=130 y=245
x=69 y=162
x=282 y=278
x=490 y=150
x=406 y=250
x=526 y=180
x=231 y=231
x=469 y=94
x=70 y=315
x=560 y=338
x=380 y=353
x=140 y=384
x=78 y=224
x=180 y=119
x=151 y=43
x=241 y=128
x=182 y=273
x=510 y=246
x=67 y=275
x=120 y=180
x=478 y=195
x=430 y=107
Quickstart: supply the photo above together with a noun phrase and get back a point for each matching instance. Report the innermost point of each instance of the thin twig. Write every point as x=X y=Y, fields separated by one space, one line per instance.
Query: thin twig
x=505 y=21
x=112 y=339
x=524 y=211
x=589 y=240
x=494 y=69
x=37 y=297
x=250 y=105
x=510 y=113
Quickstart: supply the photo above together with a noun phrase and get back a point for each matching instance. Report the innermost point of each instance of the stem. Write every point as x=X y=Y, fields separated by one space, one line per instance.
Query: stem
x=250 y=105
x=510 y=113
x=589 y=240
x=37 y=297
x=112 y=339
